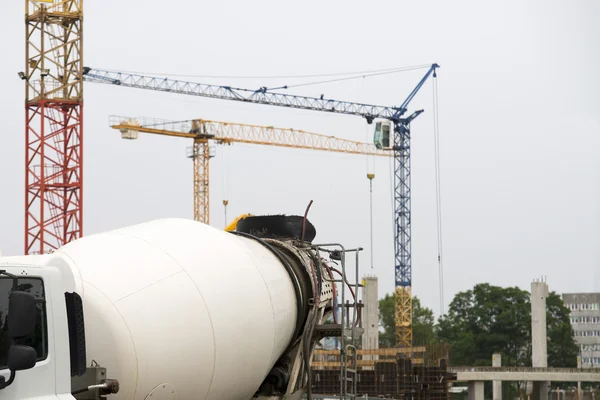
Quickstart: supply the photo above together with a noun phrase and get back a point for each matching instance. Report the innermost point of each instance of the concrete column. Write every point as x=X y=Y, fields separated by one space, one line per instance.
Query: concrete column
x=370 y=313
x=497 y=385
x=539 y=352
x=475 y=391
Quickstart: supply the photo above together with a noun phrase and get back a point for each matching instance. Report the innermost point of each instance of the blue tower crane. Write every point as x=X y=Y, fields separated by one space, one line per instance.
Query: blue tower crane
x=392 y=120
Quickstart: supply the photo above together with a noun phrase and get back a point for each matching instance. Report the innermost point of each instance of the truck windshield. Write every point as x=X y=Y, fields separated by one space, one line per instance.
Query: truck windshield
x=39 y=339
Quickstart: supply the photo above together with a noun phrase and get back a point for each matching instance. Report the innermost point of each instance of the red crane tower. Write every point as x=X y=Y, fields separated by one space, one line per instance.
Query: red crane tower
x=53 y=123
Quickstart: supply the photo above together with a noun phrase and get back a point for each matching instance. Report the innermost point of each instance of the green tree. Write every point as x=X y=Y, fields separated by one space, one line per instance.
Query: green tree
x=562 y=349
x=423 y=322
x=387 y=338
x=490 y=319
x=486 y=320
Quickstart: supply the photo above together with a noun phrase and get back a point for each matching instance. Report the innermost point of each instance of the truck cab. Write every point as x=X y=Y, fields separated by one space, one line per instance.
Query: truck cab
x=40 y=321
x=173 y=309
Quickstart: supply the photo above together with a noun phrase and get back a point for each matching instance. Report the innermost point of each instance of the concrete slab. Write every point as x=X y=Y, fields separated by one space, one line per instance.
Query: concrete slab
x=525 y=374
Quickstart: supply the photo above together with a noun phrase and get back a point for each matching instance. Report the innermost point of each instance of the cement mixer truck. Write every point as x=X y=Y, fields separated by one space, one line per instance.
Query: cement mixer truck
x=168 y=309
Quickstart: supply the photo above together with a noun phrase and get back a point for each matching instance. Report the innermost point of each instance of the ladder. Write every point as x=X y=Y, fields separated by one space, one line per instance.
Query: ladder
x=350 y=372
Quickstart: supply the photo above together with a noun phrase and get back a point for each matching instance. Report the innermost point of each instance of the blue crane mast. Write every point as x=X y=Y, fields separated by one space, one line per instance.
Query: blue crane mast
x=399 y=144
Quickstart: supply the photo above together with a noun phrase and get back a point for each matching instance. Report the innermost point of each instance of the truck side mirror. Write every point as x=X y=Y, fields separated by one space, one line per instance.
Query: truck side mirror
x=21 y=314
x=21 y=358
x=21 y=323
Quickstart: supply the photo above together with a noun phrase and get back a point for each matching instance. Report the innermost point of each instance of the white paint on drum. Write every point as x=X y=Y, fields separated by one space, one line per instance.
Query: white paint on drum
x=178 y=302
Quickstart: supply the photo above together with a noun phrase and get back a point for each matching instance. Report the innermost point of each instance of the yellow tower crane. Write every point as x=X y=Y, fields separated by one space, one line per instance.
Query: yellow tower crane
x=202 y=132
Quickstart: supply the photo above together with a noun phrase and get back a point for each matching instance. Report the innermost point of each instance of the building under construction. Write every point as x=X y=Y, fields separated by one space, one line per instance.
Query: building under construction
x=417 y=372
x=396 y=373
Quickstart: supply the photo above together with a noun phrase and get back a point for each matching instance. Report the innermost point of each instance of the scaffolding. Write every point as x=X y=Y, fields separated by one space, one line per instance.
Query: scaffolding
x=416 y=373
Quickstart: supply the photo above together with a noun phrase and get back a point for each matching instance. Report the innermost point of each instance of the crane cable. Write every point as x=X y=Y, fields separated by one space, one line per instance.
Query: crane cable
x=296 y=76
x=371 y=177
x=357 y=75
x=370 y=167
x=438 y=199
x=395 y=71
x=225 y=177
x=391 y=165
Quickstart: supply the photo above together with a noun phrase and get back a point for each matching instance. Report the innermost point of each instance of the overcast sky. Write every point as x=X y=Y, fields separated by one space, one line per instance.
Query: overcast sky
x=519 y=128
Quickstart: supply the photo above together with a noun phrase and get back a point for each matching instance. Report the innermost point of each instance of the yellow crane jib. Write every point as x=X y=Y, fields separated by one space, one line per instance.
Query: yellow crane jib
x=204 y=131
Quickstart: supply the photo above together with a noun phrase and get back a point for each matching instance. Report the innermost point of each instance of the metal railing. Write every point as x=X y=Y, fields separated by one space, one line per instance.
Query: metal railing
x=524 y=369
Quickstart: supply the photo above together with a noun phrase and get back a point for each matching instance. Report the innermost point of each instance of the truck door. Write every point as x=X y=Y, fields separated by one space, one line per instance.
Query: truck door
x=39 y=381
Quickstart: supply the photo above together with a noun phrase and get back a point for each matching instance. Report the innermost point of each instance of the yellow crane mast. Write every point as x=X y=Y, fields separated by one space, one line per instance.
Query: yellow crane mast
x=202 y=132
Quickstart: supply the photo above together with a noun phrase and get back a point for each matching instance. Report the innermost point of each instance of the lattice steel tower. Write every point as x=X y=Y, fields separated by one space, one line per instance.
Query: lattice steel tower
x=54 y=123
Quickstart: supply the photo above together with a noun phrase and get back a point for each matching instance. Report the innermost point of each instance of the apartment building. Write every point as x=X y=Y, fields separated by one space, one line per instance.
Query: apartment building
x=585 y=320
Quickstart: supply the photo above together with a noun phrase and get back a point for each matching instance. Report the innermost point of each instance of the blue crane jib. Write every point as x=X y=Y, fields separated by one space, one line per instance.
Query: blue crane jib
x=400 y=145
x=258 y=96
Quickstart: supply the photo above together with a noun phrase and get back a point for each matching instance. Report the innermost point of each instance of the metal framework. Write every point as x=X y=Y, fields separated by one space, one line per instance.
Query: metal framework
x=205 y=131
x=53 y=124
x=201 y=156
x=402 y=242
x=259 y=96
x=402 y=212
x=402 y=194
